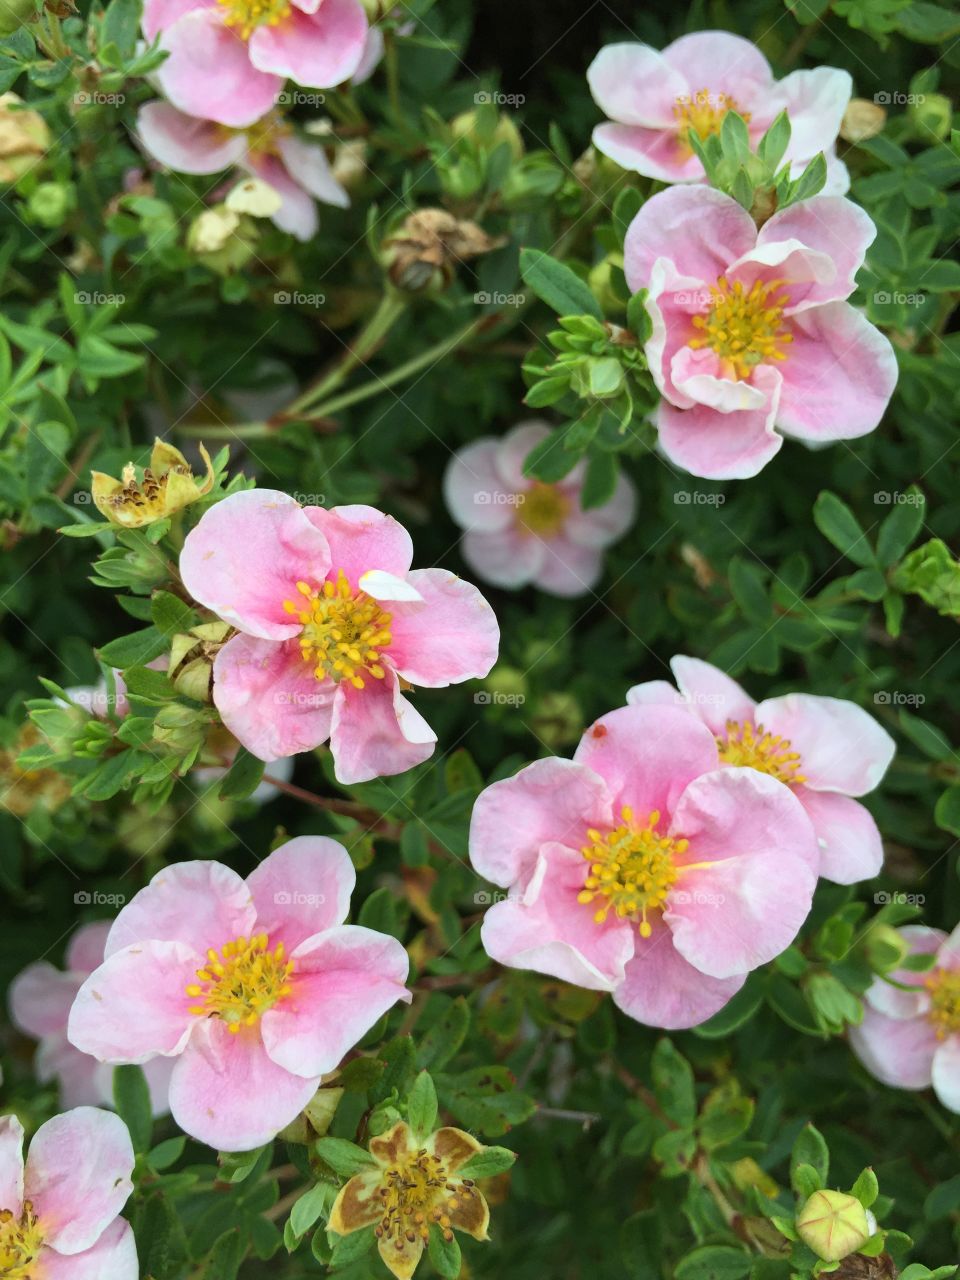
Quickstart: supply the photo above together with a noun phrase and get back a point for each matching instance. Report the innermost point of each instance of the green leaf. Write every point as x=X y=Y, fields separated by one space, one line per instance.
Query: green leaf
x=810 y=1149
x=901 y=526
x=840 y=526
x=943 y=1200
x=734 y=1014
x=946 y=813
x=422 y=1105
x=134 y=650
x=748 y=588
x=557 y=285
x=166 y=1153
x=343 y=1157
x=309 y=1207
x=487 y=1163
x=131 y=1097
x=866 y=1188
x=444 y=1254
x=549 y=461
x=351 y=1248
x=485 y=1099
x=600 y=482
x=673 y=1083
x=171 y=614
x=226 y=1256
x=713 y=1262
x=243 y=777
x=121 y=25
x=445 y=1036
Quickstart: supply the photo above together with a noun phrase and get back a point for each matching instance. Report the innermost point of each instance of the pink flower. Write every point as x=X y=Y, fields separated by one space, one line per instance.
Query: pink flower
x=911 y=1039
x=271 y=150
x=229 y=59
x=255 y=987
x=64 y=1204
x=333 y=627
x=642 y=868
x=826 y=750
x=751 y=330
x=40 y=1001
x=656 y=100
x=520 y=531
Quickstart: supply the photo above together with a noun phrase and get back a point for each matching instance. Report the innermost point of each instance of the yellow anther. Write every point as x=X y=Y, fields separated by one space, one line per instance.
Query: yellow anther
x=751 y=747
x=543 y=511
x=702 y=113
x=631 y=870
x=248 y=982
x=744 y=327
x=344 y=631
x=244 y=16
x=944 y=1012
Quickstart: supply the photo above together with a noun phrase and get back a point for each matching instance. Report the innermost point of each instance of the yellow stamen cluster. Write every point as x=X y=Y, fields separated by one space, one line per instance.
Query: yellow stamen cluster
x=241 y=982
x=944 y=1012
x=20 y=1243
x=544 y=510
x=702 y=113
x=744 y=327
x=246 y=15
x=343 y=633
x=751 y=747
x=631 y=869
x=416 y=1191
x=264 y=136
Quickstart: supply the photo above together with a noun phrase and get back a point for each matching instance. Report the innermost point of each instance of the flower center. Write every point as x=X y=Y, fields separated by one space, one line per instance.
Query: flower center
x=543 y=510
x=241 y=982
x=246 y=15
x=20 y=1243
x=702 y=113
x=264 y=135
x=631 y=869
x=944 y=1012
x=751 y=747
x=744 y=328
x=416 y=1192
x=344 y=631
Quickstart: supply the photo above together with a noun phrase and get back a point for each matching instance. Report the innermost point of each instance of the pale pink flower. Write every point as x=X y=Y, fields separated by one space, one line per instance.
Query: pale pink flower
x=228 y=59
x=64 y=1203
x=655 y=100
x=255 y=987
x=826 y=750
x=41 y=997
x=333 y=625
x=644 y=869
x=911 y=1039
x=298 y=170
x=751 y=330
x=522 y=532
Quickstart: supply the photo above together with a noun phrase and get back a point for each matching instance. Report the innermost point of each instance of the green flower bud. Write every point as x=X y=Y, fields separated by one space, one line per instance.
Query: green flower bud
x=885 y=948
x=14 y=13
x=50 y=203
x=558 y=719
x=932 y=113
x=833 y=1224
x=507 y=682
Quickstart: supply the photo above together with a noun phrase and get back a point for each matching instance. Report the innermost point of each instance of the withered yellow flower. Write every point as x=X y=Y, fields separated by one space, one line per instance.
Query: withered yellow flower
x=413 y=1186
x=168 y=485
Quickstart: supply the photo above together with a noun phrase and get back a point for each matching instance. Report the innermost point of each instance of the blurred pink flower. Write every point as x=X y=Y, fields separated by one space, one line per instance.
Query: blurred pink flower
x=40 y=999
x=228 y=59
x=255 y=987
x=655 y=100
x=827 y=750
x=64 y=1202
x=911 y=1039
x=333 y=627
x=522 y=532
x=644 y=869
x=751 y=330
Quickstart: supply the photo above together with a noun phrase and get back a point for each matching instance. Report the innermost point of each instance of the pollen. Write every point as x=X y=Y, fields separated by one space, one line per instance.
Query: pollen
x=702 y=113
x=344 y=631
x=751 y=747
x=632 y=869
x=544 y=510
x=416 y=1192
x=245 y=16
x=241 y=982
x=944 y=1012
x=20 y=1243
x=744 y=327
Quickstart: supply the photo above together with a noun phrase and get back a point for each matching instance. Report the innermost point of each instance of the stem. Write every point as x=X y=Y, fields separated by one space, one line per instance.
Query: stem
x=391 y=308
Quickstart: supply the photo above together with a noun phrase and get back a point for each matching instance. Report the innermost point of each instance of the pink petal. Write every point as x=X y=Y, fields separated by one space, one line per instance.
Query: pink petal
x=451 y=636
x=135 y=1005
x=698 y=374
x=78 y=1176
x=40 y=998
x=655 y=693
x=83 y=1081
x=363 y=538
x=601 y=526
x=201 y=904
x=546 y=929
x=700 y=230
x=898 y=1052
x=319 y=50
x=185 y=144
x=838 y=175
x=647 y=756
x=746 y=881
x=838 y=377
x=509 y=559
x=246 y=556
x=474 y=492
x=372 y=56
x=344 y=981
x=832 y=227
x=209 y=74
x=551 y=800
x=298 y=211
x=946 y=1073
x=568 y=569
x=227 y=1092
x=377 y=732
x=633 y=83
x=672 y=302
x=302 y=888
x=711 y=693
x=655 y=153
x=11 y=1165
x=159 y=14
x=723 y=446
x=842 y=747
x=308 y=166
x=113 y=1255
x=661 y=989
x=815 y=101
x=721 y=63
x=269 y=698
x=850 y=845
x=85 y=949
x=890 y=1000
x=388 y=587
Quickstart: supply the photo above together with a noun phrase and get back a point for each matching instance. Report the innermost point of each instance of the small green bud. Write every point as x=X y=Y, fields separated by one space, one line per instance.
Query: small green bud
x=885 y=948
x=14 y=13
x=932 y=113
x=558 y=719
x=834 y=1224
x=506 y=682
x=50 y=203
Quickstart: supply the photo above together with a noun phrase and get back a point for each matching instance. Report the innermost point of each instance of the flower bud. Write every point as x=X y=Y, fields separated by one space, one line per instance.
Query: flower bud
x=466 y=125
x=933 y=113
x=862 y=120
x=24 y=134
x=425 y=251
x=506 y=681
x=557 y=719
x=50 y=203
x=13 y=15
x=885 y=948
x=833 y=1224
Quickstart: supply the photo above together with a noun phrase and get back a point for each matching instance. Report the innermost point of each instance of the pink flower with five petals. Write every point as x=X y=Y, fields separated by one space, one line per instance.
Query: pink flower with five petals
x=256 y=987
x=333 y=625
x=644 y=869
